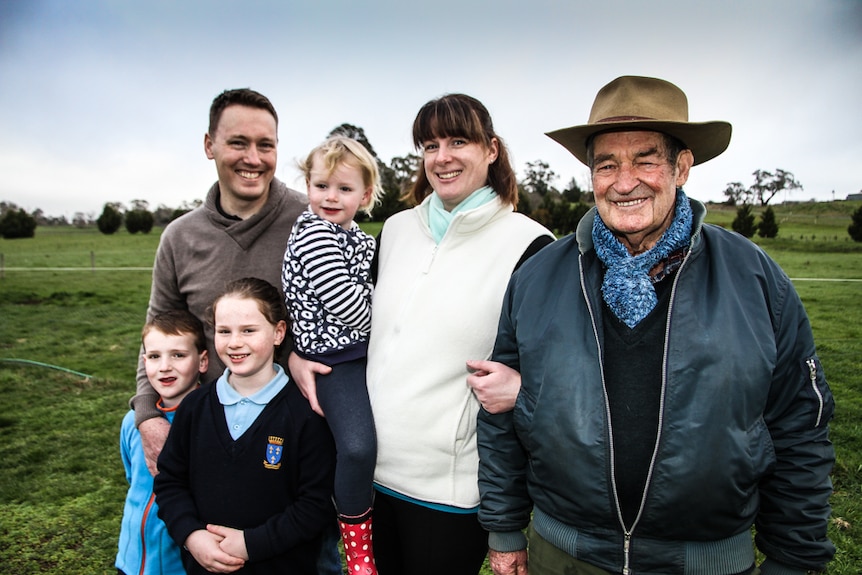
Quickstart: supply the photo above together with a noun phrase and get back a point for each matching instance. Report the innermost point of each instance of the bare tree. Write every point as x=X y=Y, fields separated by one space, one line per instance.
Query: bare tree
x=767 y=185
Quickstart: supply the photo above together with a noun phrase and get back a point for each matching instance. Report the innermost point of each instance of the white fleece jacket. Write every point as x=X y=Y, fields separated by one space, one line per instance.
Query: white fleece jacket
x=435 y=307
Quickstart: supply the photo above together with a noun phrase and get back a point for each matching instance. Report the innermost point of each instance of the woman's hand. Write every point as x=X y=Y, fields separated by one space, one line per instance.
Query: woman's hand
x=304 y=371
x=495 y=384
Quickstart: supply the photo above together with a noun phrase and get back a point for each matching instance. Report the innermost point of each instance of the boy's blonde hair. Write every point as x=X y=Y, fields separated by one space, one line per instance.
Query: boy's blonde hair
x=177 y=322
x=340 y=149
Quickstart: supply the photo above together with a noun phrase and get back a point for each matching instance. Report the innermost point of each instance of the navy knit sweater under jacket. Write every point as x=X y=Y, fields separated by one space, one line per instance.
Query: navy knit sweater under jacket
x=274 y=482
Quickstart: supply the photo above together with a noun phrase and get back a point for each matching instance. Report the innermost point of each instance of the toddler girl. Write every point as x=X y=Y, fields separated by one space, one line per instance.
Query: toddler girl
x=327 y=287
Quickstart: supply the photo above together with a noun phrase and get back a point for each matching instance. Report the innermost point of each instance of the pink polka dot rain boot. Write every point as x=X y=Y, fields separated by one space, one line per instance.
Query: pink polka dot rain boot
x=357 y=545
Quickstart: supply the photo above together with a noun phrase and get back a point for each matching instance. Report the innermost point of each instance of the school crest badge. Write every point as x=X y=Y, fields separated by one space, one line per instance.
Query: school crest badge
x=274 y=448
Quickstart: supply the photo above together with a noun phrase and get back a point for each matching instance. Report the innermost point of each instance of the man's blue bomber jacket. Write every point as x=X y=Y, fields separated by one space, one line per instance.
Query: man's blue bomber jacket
x=742 y=439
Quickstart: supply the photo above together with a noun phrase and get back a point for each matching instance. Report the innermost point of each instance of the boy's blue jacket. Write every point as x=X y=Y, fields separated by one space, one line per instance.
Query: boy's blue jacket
x=144 y=539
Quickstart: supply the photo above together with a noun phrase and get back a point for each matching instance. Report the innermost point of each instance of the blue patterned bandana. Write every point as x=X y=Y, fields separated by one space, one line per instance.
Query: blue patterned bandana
x=627 y=288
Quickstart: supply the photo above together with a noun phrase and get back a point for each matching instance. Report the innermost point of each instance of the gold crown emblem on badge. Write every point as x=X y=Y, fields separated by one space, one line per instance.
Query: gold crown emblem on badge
x=276 y=440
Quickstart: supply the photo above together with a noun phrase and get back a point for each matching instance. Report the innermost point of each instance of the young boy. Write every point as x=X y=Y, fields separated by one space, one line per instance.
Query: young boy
x=175 y=356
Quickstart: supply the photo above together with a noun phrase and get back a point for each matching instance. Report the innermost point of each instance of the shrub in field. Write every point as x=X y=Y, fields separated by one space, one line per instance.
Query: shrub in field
x=110 y=220
x=744 y=221
x=139 y=221
x=17 y=224
x=768 y=226
x=855 y=229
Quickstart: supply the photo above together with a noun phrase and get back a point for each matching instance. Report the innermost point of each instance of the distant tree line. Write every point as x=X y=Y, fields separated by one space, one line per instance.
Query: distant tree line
x=538 y=198
x=138 y=218
x=15 y=222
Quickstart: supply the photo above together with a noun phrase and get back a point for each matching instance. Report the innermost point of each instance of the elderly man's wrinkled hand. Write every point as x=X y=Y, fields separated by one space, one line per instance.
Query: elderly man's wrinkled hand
x=508 y=562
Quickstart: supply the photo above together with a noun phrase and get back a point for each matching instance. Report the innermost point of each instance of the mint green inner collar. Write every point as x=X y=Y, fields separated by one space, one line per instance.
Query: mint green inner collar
x=439 y=218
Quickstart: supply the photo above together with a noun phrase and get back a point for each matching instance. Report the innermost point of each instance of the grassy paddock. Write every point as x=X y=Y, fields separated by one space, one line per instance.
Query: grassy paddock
x=73 y=247
x=61 y=480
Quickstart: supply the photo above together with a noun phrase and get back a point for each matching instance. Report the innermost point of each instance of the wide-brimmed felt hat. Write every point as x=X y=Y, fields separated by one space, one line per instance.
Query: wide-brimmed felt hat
x=635 y=103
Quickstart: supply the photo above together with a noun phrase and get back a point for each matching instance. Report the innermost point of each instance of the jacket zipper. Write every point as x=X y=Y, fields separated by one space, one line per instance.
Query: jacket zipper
x=627 y=544
x=812 y=374
x=430 y=259
x=628 y=532
x=147 y=510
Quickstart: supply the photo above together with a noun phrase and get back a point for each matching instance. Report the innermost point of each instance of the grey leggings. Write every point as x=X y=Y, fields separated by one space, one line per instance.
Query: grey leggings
x=343 y=396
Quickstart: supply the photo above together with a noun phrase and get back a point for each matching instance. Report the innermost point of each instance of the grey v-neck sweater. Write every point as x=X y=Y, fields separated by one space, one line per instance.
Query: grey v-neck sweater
x=202 y=251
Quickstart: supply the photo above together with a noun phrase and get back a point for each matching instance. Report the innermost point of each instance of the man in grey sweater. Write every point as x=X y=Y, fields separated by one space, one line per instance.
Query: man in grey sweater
x=241 y=230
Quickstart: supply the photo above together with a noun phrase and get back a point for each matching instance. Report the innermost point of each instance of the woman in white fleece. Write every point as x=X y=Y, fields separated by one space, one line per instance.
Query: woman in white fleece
x=443 y=267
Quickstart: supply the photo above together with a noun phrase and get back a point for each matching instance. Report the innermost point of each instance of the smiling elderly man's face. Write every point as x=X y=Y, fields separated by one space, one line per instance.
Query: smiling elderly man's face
x=635 y=184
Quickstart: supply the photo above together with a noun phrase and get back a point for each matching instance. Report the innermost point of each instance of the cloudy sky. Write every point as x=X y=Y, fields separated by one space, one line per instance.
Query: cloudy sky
x=107 y=100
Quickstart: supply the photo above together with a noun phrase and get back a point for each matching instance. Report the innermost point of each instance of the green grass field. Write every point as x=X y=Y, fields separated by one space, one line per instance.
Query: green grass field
x=68 y=350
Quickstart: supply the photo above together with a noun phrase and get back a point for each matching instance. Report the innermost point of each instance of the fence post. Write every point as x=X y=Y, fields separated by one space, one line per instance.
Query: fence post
x=93 y=261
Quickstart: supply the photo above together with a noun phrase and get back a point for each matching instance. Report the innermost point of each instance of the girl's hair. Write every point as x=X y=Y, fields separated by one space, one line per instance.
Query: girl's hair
x=342 y=150
x=462 y=116
x=177 y=322
x=269 y=301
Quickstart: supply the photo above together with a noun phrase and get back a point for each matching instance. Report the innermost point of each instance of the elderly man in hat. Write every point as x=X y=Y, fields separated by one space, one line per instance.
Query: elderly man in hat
x=671 y=396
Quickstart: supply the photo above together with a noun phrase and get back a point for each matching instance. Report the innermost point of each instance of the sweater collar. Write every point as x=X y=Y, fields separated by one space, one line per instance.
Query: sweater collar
x=220 y=209
x=246 y=232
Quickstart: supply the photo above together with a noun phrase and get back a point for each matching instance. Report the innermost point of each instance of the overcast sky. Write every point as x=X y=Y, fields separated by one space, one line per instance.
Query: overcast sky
x=107 y=100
